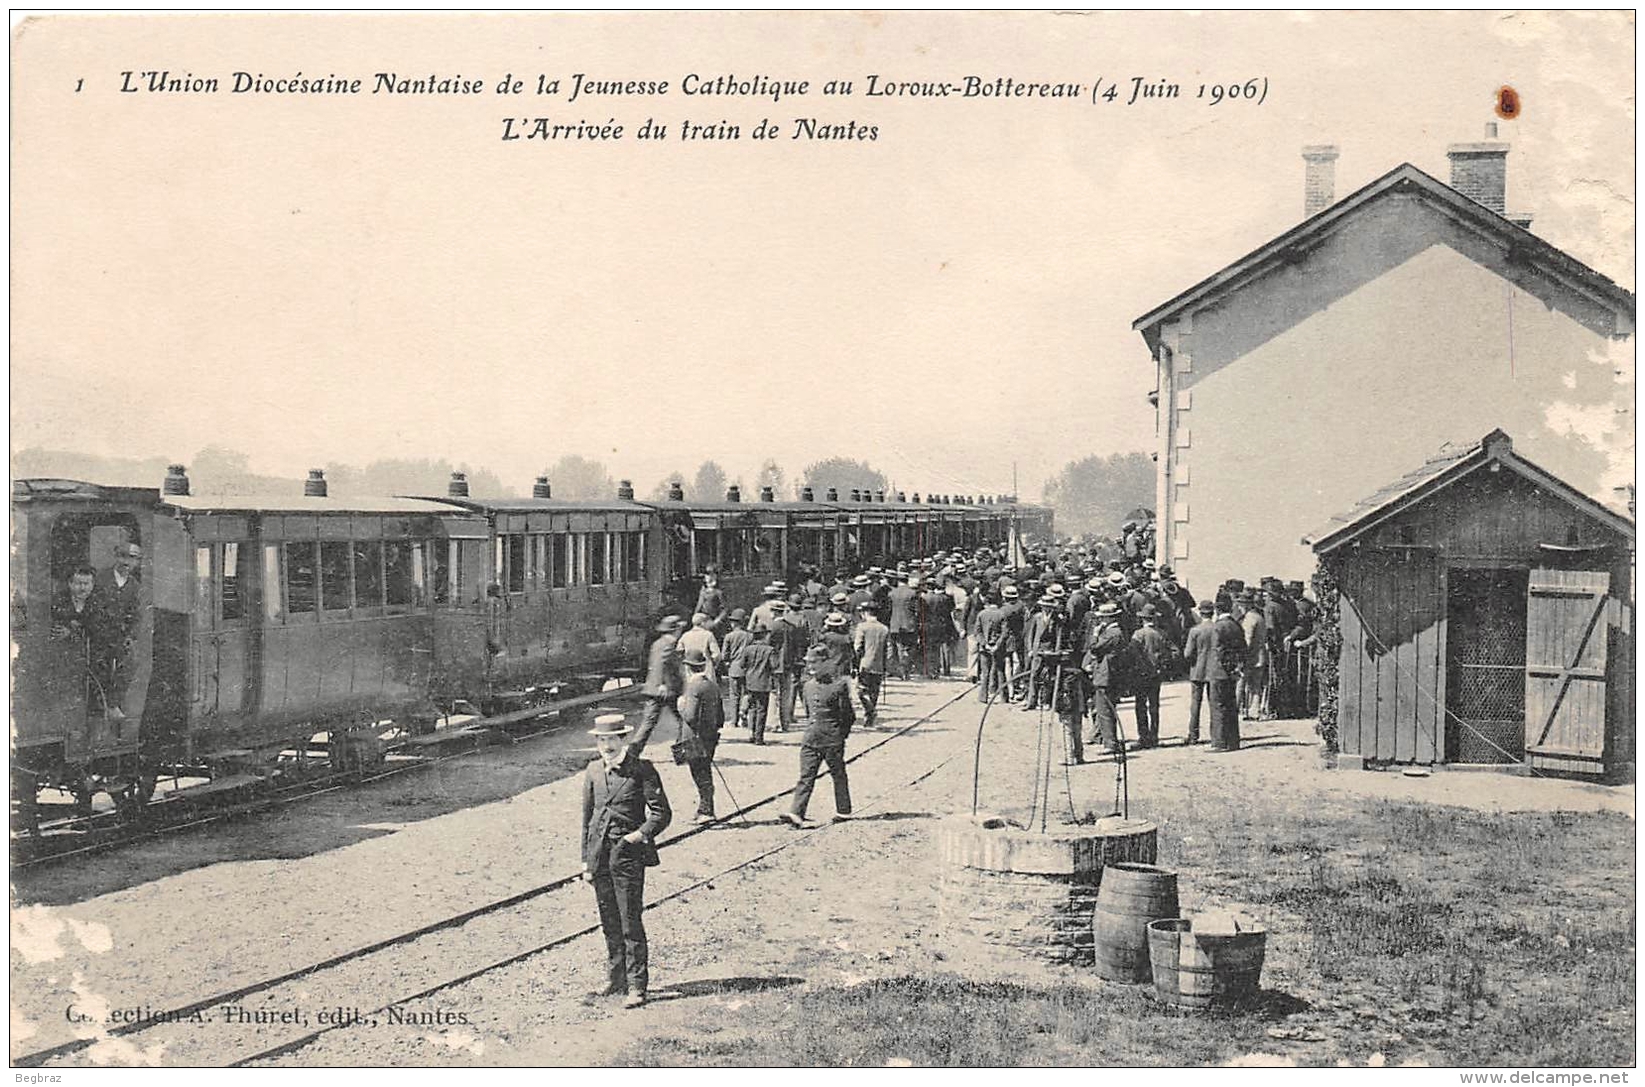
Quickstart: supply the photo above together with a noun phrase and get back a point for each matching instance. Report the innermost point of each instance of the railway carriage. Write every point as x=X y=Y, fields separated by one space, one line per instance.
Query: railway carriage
x=262 y=621
x=259 y=622
x=573 y=590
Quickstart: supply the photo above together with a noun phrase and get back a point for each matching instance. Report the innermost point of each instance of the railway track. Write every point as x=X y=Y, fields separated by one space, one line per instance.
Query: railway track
x=72 y=838
x=490 y=910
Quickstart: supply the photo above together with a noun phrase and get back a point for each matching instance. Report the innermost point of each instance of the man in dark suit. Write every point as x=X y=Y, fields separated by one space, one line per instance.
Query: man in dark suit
x=702 y=715
x=1105 y=663
x=904 y=623
x=1228 y=655
x=664 y=681
x=118 y=609
x=1198 y=652
x=624 y=809
x=828 y=704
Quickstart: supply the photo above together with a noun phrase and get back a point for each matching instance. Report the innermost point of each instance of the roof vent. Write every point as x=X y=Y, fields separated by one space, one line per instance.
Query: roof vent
x=833 y=495
x=901 y=497
x=458 y=487
x=916 y=497
x=768 y=494
x=541 y=489
x=315 y=485
x=625 y=490
x=806 y=495
x=733 y=493
x=879 y=496
x=676 y=491
x=176 y=481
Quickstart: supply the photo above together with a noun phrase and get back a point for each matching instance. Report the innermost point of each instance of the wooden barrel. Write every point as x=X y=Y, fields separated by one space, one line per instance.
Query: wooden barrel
x=1200 y=970
x=1129 y=897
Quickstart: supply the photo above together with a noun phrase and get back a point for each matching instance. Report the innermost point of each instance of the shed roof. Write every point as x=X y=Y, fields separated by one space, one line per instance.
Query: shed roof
x=1403 y=178
x=1450 y=464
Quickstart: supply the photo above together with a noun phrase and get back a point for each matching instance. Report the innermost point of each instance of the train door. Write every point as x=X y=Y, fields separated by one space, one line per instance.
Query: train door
x=224 y=606
x=98 y=666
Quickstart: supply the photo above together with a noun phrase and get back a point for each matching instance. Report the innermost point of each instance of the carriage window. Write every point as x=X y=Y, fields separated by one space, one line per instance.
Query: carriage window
x=400 y=572
x=562 y=559
x=302 y=579
x=368 y=574
x=768 y=546
x=334 y=564
x=634 y=557
x=202 y=587
x=455 y=572
x=236 y=580
x=439 y=570
x=597 y=542
x=515 y=565
x=271 y=582
x=708 y=549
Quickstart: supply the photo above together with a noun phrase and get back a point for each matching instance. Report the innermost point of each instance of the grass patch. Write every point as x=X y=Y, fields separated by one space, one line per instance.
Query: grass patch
x=950 y=1021
x=1409 y=930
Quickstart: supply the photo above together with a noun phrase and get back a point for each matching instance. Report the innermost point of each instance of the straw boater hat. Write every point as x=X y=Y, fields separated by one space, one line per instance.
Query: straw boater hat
x=1095 y=584
x=1116 y=578
x=610 y=724
x=835 y=619
x=1108 y=609
x=839 y=600
x=1009 y=592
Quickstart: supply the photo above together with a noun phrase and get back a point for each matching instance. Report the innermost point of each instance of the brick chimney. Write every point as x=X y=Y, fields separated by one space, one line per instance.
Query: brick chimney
x=1479 y=171
x=1319 y=178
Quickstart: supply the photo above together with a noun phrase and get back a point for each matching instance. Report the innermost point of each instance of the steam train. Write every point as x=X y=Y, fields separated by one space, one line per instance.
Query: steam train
x=265 y=621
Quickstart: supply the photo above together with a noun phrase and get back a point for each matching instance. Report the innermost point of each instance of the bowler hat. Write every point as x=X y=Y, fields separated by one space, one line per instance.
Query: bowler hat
x=738 y=615
x=1207 y=607
x=610 y=724
x=1148 y=611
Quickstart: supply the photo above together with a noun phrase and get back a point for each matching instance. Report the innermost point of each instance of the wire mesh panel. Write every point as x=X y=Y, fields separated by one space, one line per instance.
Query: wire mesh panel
x=1486 y=665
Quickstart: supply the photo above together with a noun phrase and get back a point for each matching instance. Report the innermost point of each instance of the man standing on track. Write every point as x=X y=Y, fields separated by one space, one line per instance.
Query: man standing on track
x=624 y=809
x=828 y=702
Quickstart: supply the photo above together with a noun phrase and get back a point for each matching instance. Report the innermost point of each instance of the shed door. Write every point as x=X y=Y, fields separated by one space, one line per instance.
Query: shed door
x=1565 y=670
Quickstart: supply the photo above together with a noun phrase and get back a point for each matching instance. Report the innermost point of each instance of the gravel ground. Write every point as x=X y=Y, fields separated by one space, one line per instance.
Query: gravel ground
x=847 y=902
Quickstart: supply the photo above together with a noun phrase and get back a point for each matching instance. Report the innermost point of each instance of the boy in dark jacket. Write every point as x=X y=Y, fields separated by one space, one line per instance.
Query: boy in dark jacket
x=760 y=666
x=828 y=704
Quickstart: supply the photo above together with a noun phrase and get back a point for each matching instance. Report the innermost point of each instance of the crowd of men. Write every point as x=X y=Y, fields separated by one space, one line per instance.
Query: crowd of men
x=1062 y=629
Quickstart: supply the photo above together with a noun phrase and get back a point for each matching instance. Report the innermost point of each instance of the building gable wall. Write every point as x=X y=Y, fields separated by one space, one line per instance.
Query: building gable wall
x=1303 y=392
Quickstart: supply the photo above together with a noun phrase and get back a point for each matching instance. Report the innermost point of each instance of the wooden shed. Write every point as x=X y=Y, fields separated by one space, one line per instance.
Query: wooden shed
x=1485 y=615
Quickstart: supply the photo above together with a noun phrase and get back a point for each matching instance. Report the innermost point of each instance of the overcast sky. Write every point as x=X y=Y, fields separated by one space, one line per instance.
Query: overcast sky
x=347 y=278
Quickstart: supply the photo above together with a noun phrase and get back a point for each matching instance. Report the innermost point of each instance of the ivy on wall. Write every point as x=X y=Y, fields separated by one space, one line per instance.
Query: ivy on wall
x=1328 y=646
